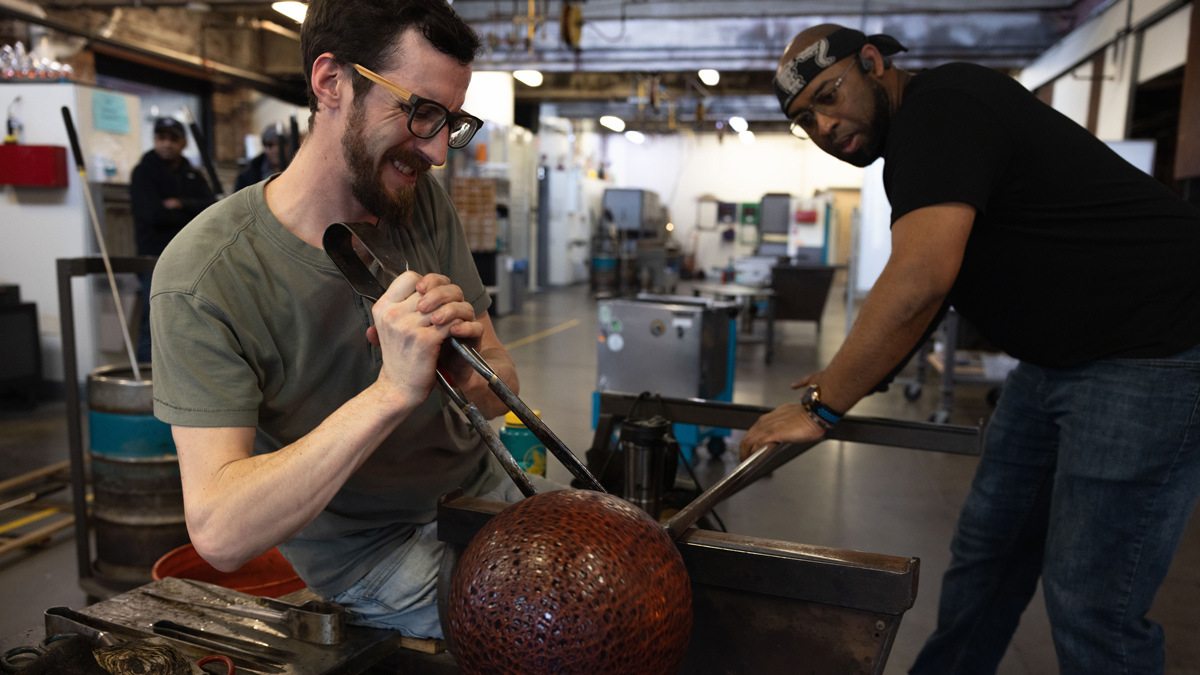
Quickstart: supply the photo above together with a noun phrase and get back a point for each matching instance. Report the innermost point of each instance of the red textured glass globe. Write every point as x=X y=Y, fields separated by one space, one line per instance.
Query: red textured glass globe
x=571 y=582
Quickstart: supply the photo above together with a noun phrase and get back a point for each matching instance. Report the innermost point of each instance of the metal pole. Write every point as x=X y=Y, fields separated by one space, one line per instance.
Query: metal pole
x=112 y=281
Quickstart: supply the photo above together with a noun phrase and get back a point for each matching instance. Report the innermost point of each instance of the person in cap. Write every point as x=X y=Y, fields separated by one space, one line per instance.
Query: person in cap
x=165 y=193
x=304 y=416
x=1066 y=257
x=266 y=163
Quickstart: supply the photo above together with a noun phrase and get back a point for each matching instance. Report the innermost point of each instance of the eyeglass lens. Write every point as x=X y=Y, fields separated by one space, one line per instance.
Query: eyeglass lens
x=829 y=100
x=429 y=117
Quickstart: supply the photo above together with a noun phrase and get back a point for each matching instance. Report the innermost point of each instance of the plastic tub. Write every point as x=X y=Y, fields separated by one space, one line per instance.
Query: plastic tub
x=269 y=575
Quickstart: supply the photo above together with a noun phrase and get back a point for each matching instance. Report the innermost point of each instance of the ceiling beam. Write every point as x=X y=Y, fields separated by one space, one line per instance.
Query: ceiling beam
x=1005 y=39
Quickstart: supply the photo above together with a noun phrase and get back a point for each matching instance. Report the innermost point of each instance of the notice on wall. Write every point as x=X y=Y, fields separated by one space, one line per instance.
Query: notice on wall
x=109 y=112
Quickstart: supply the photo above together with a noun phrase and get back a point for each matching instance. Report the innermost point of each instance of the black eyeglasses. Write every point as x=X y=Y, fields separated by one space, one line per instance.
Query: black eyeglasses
x=426 y=117
x=804 y=123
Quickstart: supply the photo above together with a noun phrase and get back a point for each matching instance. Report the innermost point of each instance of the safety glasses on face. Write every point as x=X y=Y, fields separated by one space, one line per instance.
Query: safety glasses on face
x=829 y=99
x=427 y=117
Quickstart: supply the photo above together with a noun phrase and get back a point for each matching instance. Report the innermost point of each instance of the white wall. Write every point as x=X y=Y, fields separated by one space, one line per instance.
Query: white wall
x=1115 y=92
x=1112 y=31
x=875 y=230
x=40 y=225
x=1073 y=92
x=1165 y=45
x=683 y=168
x=490 y=97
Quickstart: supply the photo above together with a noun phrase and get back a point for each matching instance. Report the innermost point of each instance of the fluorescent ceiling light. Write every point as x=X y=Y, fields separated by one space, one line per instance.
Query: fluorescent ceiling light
x=615 y=123
x=738 y=124
x=533 y=78
x=635 y=137
x=291 y=9
x=709 y=76
x=747 y=137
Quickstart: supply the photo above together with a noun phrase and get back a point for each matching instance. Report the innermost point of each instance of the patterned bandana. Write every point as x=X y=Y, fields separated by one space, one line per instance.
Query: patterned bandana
x=793 y=76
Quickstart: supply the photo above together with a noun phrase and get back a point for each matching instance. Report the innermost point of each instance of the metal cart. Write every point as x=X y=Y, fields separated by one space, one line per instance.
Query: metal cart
x=957 y=366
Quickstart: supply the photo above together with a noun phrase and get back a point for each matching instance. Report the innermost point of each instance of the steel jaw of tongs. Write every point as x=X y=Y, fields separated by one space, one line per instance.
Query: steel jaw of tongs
x=339 y=246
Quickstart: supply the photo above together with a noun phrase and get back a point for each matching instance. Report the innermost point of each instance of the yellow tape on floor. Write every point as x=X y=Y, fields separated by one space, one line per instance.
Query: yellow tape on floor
x=27 y=519
x=538 y=336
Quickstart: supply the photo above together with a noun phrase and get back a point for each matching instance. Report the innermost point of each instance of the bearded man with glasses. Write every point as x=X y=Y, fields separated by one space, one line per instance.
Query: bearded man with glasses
x=304 y=416
x=1070 y=259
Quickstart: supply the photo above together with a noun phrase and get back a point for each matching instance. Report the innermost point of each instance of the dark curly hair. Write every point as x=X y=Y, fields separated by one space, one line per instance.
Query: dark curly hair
x=365 y=32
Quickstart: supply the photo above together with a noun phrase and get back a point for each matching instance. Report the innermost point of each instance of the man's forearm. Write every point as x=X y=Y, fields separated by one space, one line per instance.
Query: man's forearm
x=894 y=316
x=248 y=505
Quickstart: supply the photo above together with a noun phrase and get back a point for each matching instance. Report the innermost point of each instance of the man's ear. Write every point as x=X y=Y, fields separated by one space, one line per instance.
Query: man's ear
x=869 y=58
x=330 y=83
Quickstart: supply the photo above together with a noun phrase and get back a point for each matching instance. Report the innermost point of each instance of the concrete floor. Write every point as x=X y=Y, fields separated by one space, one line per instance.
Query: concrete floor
x=884 y=500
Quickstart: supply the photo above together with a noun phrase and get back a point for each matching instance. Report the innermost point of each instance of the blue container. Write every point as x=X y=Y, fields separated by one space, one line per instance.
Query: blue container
x=529 y=452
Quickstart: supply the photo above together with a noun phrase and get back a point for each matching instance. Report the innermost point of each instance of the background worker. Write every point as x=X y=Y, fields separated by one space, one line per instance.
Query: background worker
x=265 y=163
x=166 y=193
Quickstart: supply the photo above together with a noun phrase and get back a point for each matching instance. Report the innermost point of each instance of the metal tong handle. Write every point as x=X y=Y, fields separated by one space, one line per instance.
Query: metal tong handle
x=755 y=466
x=339 y=246
x=338 y=242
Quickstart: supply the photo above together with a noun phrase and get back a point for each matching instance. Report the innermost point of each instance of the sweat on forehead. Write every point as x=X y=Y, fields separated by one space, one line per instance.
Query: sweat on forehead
x=793 y=75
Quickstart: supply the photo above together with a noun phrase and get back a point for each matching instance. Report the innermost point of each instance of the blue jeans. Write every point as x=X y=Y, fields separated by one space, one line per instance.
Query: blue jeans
x=400 y=592
x=1088 y=478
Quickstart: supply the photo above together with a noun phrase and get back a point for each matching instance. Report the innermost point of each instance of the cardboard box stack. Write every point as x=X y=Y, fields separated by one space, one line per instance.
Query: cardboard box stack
x=475 y=201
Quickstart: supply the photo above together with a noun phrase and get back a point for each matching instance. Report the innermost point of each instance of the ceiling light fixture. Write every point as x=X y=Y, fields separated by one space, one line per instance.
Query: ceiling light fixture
x=291 y=9
x=636 y=137
x=532 y=78
x=615 y=123
x=738 y=124
x=747 y=137
x=709 y=76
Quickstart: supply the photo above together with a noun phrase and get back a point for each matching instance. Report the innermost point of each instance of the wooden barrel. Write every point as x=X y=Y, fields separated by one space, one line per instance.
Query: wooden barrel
x=137 y=509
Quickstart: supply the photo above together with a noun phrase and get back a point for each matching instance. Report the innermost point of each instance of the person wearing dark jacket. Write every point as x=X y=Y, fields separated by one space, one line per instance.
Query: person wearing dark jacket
x=265 y=164
x=166 y=192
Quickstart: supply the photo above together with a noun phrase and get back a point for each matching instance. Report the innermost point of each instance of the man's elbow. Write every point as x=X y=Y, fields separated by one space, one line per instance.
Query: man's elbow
x=218 y=549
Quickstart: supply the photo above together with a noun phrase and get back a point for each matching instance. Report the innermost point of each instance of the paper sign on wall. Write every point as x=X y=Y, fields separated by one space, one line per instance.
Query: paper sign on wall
x=109 y=112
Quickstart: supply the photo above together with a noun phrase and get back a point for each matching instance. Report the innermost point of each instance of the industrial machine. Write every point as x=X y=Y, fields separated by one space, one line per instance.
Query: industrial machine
x=672 y=346
x=795 y=228
x=629 y=253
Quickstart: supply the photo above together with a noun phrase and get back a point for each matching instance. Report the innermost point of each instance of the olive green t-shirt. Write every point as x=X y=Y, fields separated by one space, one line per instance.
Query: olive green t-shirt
x=255 y=328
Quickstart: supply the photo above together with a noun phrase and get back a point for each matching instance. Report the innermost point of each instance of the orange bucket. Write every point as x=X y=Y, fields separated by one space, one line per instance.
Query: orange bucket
x=269 y=575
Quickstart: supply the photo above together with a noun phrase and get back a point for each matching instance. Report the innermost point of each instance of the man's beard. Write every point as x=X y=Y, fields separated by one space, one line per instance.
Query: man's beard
x=876 y=135
x=366 y=182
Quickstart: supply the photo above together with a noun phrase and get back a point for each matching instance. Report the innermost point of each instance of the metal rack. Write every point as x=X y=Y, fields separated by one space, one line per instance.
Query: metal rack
x=67 y=269
x=970 y=371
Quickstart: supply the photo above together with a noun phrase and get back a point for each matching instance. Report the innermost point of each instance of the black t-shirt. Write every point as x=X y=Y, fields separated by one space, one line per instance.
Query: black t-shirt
x=1075 y=254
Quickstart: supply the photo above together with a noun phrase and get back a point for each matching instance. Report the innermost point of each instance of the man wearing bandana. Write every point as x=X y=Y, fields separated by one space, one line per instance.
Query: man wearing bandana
x=1071 y=260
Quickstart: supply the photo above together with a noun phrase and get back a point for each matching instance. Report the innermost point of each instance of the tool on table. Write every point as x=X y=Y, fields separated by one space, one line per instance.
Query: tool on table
x=230 y=646
x=77 y=150
x=18 y=658
x=339 y=246
x=109 y=633
x=196 y=608
x=312 y=622
x=229 y=667
x=66 y=620
x=185 y=632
